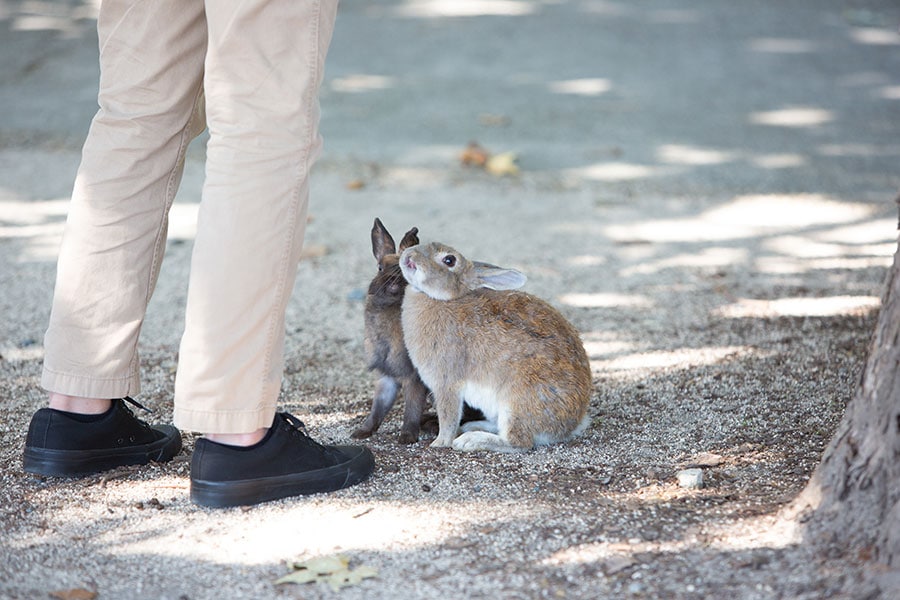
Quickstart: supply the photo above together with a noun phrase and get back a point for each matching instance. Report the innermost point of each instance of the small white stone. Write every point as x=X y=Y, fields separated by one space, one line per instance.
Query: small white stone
x=691 y=479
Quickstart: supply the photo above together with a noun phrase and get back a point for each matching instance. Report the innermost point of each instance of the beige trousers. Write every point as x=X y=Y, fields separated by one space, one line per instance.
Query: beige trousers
x=256 y=67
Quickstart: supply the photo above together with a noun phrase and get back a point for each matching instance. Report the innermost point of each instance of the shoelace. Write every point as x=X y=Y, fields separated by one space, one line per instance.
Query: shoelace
x=298 y=429
x=134 y=402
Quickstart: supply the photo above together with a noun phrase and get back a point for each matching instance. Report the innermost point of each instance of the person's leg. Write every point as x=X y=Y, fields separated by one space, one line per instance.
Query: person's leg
x=151 y=68
x=264 y=66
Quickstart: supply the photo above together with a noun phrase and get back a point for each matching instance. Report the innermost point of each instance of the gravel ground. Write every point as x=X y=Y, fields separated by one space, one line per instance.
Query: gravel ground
x=720 y=247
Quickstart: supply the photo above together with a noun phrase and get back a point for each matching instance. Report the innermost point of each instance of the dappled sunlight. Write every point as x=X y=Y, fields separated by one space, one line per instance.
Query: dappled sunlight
x=67 y=19
x=14 y=354
x=877 y=236
x=782 y=45
x=776 y=211
x=830 y=306
x=724 y=534
x=608 y=552
x=314 y=529
x=325 y=525
x=745 y=534
x=760 y=532
x=359 y=82
x=779 y=161
x=776 y=265
x=606 y=300
x=317 y=525
x=695 y=156
x=618 y=171
x=689 y=155
x=744 y=217
x=808 y=247
x=464 y=8
x=581 y=87
x=597 y=346
x=682 y=358
x=39 y=224
x=586 y=260
x=889 y=92
x=713 y=257
x=873 y=36
x=16 y=214
x=793 y=117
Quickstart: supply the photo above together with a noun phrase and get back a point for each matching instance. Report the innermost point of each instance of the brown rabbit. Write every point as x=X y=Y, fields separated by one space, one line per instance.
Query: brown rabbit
x=507 y=353
x=384 y=341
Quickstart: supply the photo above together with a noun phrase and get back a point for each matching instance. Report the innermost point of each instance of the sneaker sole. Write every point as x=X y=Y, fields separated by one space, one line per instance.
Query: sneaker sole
x=78 y=463
x=223 y=494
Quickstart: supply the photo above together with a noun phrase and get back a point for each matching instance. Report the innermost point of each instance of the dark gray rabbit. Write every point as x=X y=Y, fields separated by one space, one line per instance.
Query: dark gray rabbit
x=384 y=343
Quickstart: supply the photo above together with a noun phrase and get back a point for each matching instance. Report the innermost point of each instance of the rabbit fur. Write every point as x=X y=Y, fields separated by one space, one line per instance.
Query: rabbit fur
x=383 y=341
x=474 y=338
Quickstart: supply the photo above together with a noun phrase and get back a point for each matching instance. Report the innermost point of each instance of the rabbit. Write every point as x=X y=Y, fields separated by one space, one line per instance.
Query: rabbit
x=474 y=338
x=383 y=341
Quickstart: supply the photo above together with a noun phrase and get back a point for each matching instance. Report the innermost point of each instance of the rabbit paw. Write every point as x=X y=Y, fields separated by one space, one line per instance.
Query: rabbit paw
x=484 y=425
x=440 y=443
x=482 y=440
x=408 y=437
x=429 y=424
x=362 y=433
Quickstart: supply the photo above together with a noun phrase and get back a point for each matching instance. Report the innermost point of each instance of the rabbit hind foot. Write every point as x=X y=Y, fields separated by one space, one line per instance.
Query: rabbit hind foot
x=472 y=441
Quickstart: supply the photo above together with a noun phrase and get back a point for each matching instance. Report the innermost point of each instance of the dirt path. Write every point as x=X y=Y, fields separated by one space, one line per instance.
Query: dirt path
x=706 y=193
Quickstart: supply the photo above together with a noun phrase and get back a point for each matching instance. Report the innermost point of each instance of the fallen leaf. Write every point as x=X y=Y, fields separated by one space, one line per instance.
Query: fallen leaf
x=351 y=577
x=502 y=164
x=74 y=594
x=356 y=184
x=333 y=570
x=474 y=155
x=313 y=251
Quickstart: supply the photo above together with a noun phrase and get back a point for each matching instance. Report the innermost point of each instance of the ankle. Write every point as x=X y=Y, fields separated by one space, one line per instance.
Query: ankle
x=79 y=405
x=238 y=439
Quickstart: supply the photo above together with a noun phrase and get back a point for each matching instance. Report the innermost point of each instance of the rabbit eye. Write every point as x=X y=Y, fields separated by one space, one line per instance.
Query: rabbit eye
x=449 y=260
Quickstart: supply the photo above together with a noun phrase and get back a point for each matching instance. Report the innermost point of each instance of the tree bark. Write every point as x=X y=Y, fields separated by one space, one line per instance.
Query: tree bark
x=854 y=494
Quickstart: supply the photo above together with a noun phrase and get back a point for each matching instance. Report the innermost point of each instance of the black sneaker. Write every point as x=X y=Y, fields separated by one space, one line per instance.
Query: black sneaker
x=64 y=444
x=287 y=462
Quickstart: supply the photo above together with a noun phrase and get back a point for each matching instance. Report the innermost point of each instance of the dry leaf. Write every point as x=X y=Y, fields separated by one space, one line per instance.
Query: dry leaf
x=74 y=594
x=474 y=155
x=356 y=184
x=313 y=251
x=333 y=570
x=502 y=164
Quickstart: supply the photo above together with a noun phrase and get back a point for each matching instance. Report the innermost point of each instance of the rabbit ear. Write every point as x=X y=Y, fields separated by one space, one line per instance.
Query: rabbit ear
x=382 y=242
x=410 y=238
x=496 y=278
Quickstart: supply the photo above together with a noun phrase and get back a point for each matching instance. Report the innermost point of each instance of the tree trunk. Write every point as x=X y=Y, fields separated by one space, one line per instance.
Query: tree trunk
x=855 y=491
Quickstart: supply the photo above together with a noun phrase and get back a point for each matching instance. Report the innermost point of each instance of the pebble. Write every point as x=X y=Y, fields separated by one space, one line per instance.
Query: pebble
x=691 y=479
